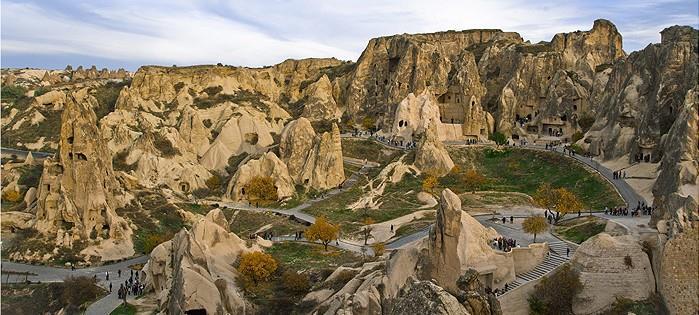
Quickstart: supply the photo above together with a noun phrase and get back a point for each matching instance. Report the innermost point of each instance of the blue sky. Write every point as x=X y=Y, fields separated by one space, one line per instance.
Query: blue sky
x=51 y=34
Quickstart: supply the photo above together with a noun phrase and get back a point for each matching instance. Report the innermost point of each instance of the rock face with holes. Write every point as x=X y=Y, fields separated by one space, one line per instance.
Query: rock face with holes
x=675 y=193
x=611 y=267
x=78 y=193
x=644 y=96
x=268 y=165
x=193 y=270
x=431 y=155
x=313 y=160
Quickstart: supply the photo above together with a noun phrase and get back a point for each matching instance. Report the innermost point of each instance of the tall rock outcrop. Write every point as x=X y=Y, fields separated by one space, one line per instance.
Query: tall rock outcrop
x=313 y=160
x=431 y=155
x=644 y=96
x=194 y=271
x=268 y=165
x=675 y=195
x=78 y=193
x=319 y=102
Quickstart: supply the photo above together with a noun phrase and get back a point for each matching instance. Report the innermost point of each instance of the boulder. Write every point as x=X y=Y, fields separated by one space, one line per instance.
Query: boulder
x=425 y=297
x=610 y=268
x=268 y=165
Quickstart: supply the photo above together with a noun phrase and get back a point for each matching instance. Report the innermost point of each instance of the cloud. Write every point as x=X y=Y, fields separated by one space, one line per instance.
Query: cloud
x=257 y=33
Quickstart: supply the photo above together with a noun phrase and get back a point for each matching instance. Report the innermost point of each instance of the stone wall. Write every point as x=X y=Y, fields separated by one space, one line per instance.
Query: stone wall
x=527 y=258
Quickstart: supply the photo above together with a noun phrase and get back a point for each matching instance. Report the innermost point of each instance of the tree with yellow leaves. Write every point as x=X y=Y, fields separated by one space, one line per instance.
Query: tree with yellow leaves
x=261 y=188
x=322 y=231
x=11 y=195
x=473 y=180
x=534 y=225
x=429 y=182
x=559 y=199
x=257 y=266
x=378 y=248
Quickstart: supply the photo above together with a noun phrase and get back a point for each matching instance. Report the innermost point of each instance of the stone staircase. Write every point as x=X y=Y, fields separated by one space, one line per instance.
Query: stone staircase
x=557 y=257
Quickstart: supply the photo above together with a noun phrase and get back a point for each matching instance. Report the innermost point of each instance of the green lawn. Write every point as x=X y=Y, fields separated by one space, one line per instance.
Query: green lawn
x=302 y=256
x=523 y=171
x=415 y=226
x=580 y=229
x=122 y=309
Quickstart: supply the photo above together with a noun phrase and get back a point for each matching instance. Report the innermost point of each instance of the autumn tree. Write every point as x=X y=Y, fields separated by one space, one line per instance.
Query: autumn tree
x=560 y=200
x=378 y=248
x=366 y=231
x=473 y=180
x=214 y=182
x=429 y=182
x=534 y=225
x=261 y=188
x=11 y=195
x=257 y=266
x=322 y=231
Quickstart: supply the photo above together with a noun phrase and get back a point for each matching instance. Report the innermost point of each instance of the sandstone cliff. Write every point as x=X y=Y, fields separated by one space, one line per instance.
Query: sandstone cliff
x=643 y=97
x=194 y=271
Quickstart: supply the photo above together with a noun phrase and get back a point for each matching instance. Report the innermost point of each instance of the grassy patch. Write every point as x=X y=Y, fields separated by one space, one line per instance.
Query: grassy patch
x=195 y=208
x=122 y=309
x=245 y=223
x=368 y=149
x=30 y=175
x=651 y=306
x=156 y=218
x=106 y=96
x=579 y=230
x=523 y=171
x=415 y=226
x=49 y=128
x=494 y=198
x=73 y=296
x=303 y=256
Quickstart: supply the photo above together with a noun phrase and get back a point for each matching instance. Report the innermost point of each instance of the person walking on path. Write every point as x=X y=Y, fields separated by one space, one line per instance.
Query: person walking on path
x=567 y=251
x=110 y=287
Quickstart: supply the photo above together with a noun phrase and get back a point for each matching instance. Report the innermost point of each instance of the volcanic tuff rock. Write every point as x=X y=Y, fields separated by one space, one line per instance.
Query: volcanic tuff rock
x=268 y=165
x=425 y=297
x=644 y=95
x=675 y=193
x=431 y=155
x=456 y=244
x=607 y=274
x=79 y=190
x=193 y=270
x=313 y=160
x=319 y=102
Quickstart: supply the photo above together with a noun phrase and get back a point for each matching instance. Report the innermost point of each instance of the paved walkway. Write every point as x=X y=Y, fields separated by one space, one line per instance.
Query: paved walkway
x=54 y=274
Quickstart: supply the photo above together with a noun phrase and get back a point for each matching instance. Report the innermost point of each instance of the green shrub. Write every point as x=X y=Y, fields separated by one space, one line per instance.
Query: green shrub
x=12 y=92
x=164 y=145
x=41 y=91
x=234 y=162
x=498 y=137
x=107 y=96
x=577 y=136
x=585 y=122
x=31 y=175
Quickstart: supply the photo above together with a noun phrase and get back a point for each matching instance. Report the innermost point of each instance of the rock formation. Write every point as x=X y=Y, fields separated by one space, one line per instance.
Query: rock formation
x=194 y=271
x=78 y=193
x=427 y=276
x=431 y=155
x=319 y=103
x=610 y=268
x=643 y=96
x=675 y=193
x=313 y=160
x=268 y=165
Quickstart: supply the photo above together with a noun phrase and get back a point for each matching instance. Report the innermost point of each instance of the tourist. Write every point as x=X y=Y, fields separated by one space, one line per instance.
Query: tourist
x=391 y=227
x=119 y=273
x=110 y=287
x=504 y=220
x=567 y=251
x=512 y=219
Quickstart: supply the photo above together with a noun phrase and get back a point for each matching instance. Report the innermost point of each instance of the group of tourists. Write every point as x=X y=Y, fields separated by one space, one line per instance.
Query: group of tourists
x=641 y=209
x=298 y=235
x=497 y=292
x=619 y=174
x=397 y=143
x=617 y=211
x=504 y=244
x=471 y=141
x=131 y=286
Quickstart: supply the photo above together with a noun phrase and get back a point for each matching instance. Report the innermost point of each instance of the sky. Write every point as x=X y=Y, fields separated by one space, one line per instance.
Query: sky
x=113 y=34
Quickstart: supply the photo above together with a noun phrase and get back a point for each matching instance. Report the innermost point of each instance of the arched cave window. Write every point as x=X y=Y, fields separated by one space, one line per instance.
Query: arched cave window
x=473 y=103
x=70 y=140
